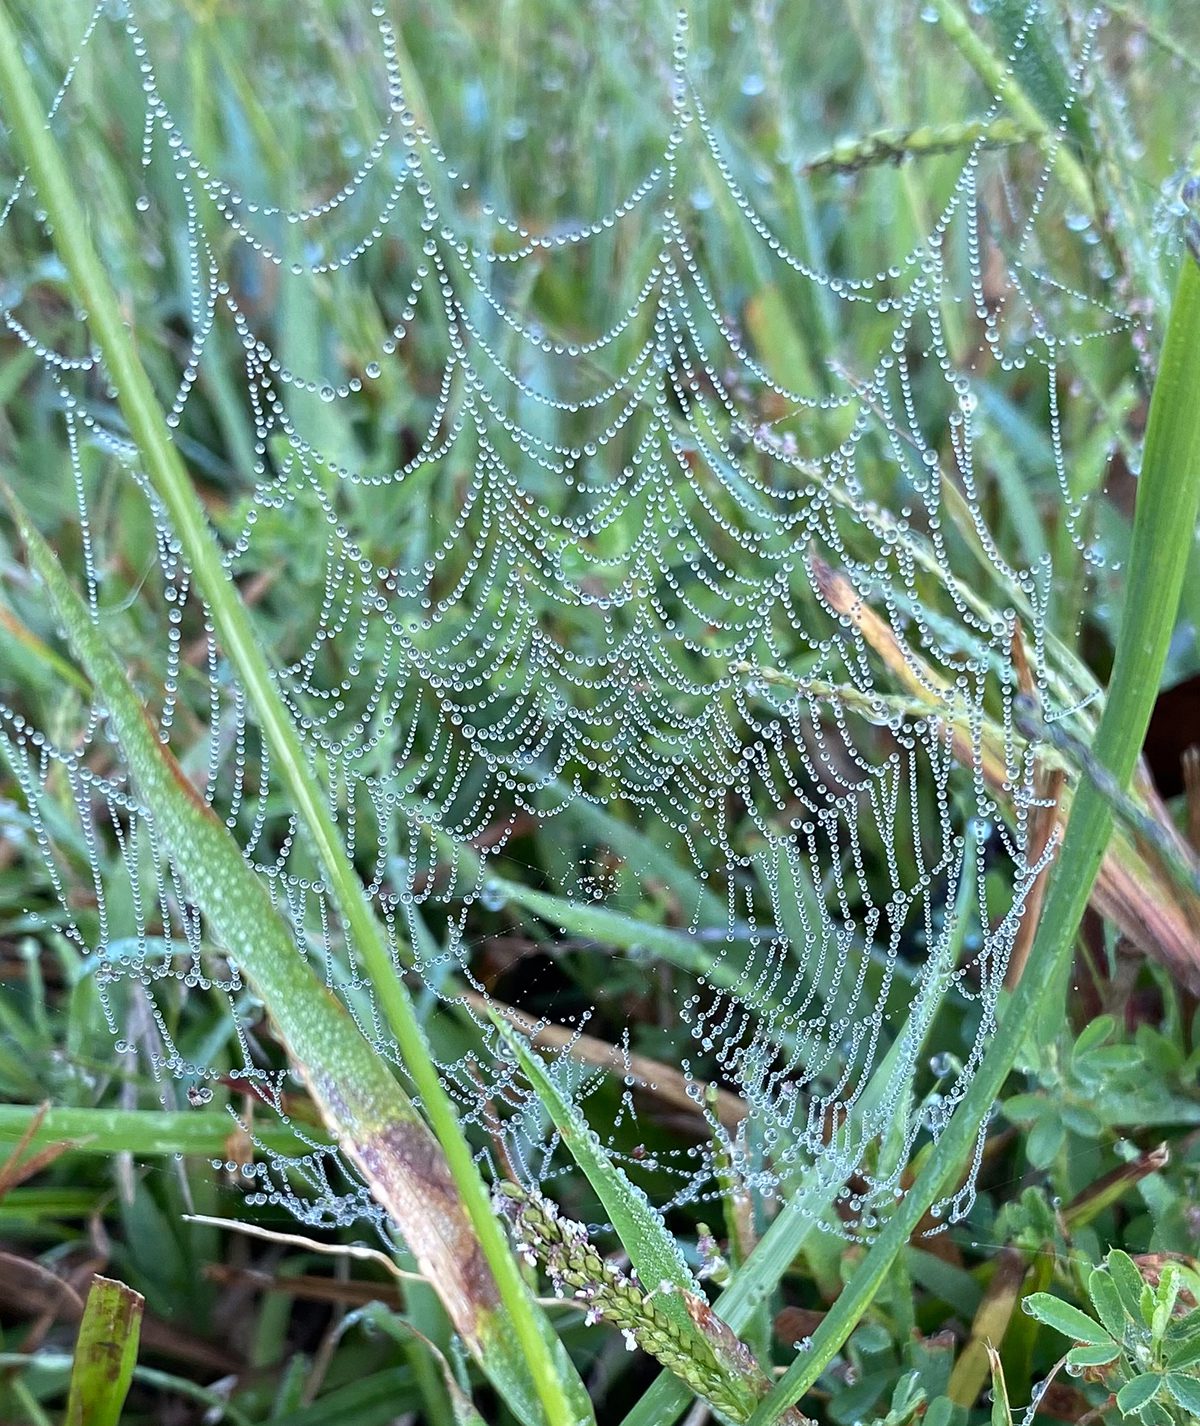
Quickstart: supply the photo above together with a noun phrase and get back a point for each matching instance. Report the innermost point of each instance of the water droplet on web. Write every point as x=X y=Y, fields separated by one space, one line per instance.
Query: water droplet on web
x=493 y=896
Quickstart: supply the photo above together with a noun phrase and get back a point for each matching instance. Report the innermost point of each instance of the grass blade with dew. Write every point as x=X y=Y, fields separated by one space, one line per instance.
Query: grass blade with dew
x=556 y=1385
x=643 y=1234
x=1164 y=521
x=1000 y=79
x=145 y=1133
x=800 y=1216
x=364 y=1106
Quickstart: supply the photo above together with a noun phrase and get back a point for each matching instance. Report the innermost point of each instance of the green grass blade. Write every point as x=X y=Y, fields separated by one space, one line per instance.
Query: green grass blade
x=652 y=857
x=773 y=1255
x=651 y=1248
x=364 y=1106
x=789 y=1230
x=562 y=1399
x=105 y=1354
x=145 y=1133
x=1001 y=80
x=644 y=1236
x=612 y=928
x=376 y=1316
x=1164 y=520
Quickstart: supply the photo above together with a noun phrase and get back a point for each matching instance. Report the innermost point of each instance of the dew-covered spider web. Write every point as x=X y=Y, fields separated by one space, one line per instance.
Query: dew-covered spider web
x=652 y=565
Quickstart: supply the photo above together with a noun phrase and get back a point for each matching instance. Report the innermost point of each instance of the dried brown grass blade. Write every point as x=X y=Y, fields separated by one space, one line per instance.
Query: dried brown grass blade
x=1133 y=890
x=656 y=1078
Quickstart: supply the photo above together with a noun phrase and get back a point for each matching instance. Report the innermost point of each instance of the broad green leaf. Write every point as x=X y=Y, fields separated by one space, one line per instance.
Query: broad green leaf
x=1137 y=1393
x=1080 y=1119
x=1164 y=1300
x=1093 y=1035
x=1026 y=1108
x=1064 y=1318
x=1093 y=1356
x=1045 y=1141
x=105 y=1354
x=1184 y=1353
x=944 y=1412
x=1111 y=1059
x=1128 y=1282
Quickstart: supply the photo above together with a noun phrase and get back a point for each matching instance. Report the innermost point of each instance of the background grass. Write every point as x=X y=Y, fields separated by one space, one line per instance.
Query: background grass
x=551 y=111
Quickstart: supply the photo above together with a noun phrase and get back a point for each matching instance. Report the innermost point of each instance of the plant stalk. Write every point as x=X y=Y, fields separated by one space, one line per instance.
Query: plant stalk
x=1168 y=500
x=164 y=468
x=1004 y=85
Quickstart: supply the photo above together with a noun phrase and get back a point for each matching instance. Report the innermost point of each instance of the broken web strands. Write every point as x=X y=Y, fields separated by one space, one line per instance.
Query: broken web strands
x=592 y=520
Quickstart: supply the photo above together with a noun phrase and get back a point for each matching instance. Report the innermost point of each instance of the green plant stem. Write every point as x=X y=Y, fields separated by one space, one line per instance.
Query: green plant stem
x=1000 y=80
x=144 y=1132
x=1168 y=498
x=165 y=470
x=776 y=1250
x=895 y=145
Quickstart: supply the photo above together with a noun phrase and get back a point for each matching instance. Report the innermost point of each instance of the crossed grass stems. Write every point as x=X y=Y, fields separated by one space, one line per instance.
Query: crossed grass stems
x=421 y=1169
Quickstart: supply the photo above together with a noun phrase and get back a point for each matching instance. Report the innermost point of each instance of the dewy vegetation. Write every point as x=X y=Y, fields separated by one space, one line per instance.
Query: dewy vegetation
x=576 y=656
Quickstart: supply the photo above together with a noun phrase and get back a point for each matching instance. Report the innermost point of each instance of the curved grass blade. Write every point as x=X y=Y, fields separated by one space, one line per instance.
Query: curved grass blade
x=379 y=1319
x=1164 y=521
x=652 y=1249
x=644 y=1236
x=1001 y=80
x=365 y=1108
x=776 y=1250
x=563 y=1399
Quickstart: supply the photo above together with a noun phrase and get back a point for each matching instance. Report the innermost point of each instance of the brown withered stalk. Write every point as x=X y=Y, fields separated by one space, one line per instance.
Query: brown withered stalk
x=1135 y=890
x=666 y=1084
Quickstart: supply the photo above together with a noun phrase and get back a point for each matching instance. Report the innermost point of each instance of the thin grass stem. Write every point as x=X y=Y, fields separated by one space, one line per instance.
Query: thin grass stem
x=164 y=468
x=1164 y=520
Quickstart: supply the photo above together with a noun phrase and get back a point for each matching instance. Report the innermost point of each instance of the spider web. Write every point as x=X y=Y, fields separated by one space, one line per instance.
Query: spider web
x=616 y=577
